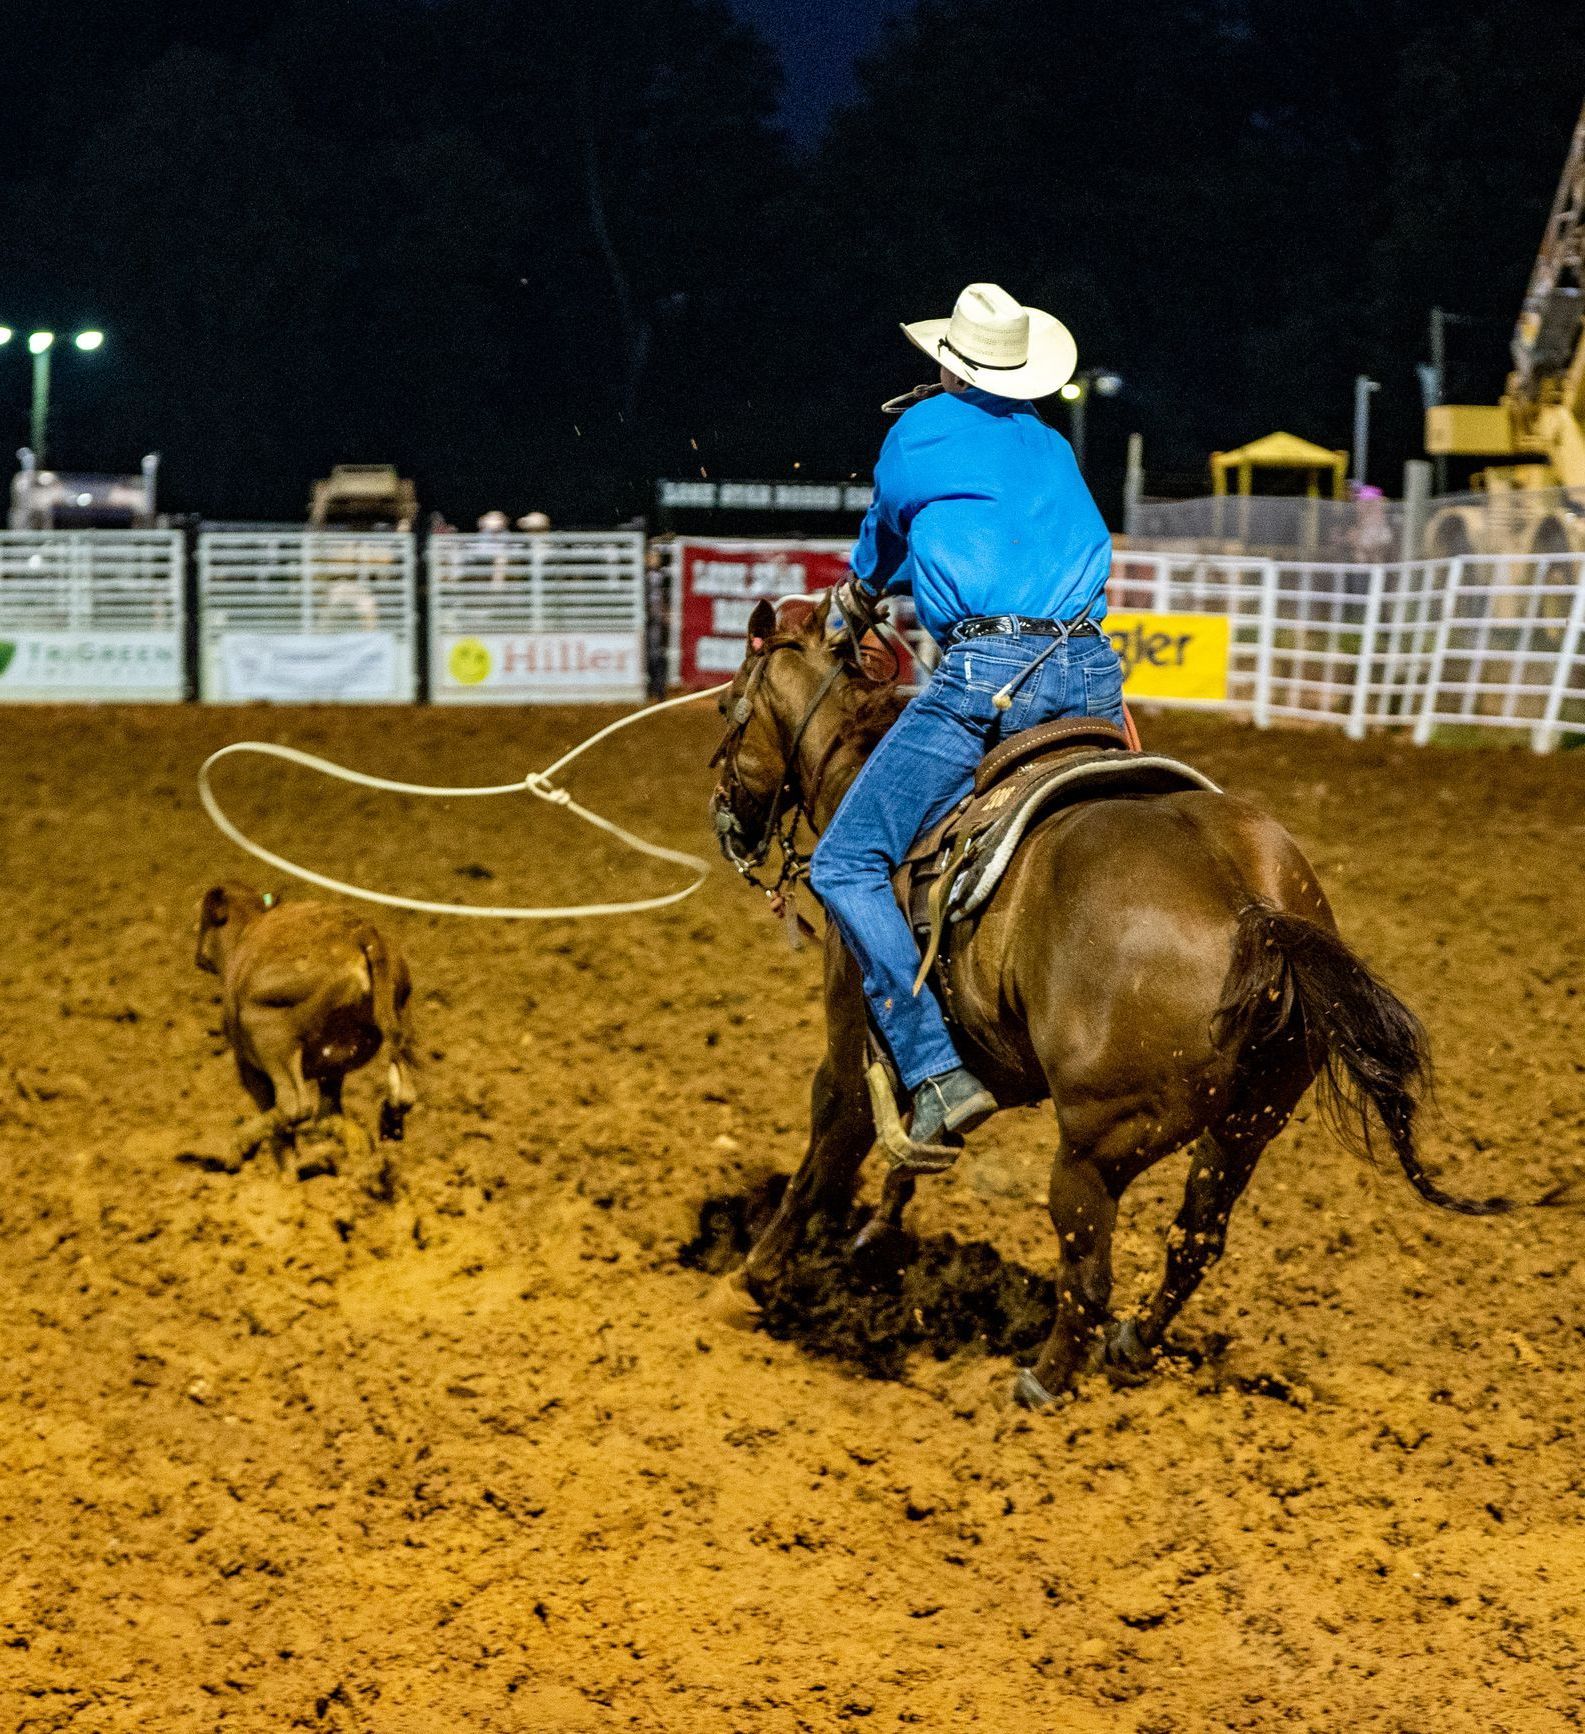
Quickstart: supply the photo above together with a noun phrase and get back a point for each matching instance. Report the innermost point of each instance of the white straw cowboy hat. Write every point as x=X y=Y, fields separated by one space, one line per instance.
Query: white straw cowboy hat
x=999 y=345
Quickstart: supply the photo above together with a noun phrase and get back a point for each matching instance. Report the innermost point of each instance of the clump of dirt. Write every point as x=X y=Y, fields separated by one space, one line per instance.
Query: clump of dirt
x=730 y=1224
x=875 y=1309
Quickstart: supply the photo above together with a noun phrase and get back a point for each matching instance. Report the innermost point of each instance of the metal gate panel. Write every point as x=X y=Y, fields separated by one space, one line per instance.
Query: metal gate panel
x=307 y=616
x=93 y=615
x=537 y=618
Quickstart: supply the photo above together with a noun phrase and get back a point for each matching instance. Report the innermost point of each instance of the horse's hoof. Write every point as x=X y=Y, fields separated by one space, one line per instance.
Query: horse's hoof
x=731 y=1302
x=879 y=1242
x=1029 y=1393
x=1126 y=1351
x=392 y=1122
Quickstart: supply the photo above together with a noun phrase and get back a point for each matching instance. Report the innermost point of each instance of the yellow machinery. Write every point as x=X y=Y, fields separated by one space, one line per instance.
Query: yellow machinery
x=1540 y=422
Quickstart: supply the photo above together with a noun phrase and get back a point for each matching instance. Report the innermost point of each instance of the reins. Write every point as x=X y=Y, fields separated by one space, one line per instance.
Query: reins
x=781 y=823
x=539 y=783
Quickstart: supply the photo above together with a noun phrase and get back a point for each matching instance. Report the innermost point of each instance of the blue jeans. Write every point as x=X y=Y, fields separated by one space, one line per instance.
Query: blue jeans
x=922 y=768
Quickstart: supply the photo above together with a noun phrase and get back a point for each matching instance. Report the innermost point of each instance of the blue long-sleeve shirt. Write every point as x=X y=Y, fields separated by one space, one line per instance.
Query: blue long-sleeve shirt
x=979 y=508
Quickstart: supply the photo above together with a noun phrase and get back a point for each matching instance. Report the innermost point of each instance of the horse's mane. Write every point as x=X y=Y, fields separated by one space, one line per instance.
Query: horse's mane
x=872 y=705
x=878 y=705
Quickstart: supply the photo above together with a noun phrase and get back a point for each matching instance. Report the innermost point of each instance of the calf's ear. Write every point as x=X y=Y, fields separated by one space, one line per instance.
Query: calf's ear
x=215 y=909
x=761 y=624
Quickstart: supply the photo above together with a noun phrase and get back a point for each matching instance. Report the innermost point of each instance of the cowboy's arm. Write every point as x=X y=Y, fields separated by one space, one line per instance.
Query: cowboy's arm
x=882 y=544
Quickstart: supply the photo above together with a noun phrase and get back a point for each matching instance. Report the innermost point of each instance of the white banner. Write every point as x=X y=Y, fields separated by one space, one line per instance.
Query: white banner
x=298 y=668
x=531 y=666
x=96 y=665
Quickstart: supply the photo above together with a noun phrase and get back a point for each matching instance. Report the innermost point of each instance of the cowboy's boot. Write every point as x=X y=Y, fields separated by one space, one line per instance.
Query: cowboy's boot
x=954 y=1101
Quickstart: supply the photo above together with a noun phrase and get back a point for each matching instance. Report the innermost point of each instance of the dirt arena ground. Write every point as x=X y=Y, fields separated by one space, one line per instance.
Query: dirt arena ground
x=451 y=1444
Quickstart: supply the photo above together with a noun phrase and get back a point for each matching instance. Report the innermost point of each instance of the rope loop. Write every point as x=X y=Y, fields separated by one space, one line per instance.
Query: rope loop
x=538 y=783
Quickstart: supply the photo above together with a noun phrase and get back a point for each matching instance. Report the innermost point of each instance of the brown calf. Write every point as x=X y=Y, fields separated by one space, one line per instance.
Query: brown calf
x=309 y=993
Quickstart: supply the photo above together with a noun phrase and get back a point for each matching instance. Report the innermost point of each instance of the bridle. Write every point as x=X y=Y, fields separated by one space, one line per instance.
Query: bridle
x=783 y=819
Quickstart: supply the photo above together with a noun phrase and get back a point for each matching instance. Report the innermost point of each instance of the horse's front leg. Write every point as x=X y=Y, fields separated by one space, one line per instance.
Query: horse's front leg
x=883 y=1233
x=841 y=1134
x=842 y=1129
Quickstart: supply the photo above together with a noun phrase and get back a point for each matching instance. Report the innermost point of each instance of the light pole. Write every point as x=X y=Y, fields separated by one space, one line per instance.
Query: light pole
x=40 y=346
x=1363 y=387
x=1076 y=394
x=1439 y=382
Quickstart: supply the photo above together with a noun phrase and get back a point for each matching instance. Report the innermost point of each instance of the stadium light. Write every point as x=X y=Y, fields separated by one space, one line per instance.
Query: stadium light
x=40 y=344
x=1104 y=383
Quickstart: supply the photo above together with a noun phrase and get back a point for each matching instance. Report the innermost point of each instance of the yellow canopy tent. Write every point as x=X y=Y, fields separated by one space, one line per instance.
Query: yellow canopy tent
x=1281 y=451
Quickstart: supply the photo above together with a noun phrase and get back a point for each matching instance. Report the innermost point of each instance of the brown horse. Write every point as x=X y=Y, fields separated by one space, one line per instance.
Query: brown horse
x=1165 y=968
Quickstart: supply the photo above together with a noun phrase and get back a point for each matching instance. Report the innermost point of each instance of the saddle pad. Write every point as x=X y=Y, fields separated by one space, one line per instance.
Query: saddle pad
x=1082 y=779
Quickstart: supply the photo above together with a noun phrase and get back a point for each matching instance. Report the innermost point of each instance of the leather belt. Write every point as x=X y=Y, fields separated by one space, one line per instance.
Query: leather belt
x=1018 y=626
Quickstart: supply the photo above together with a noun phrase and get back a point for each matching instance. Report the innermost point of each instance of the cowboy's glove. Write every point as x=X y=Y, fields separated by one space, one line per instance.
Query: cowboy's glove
x=858 y=608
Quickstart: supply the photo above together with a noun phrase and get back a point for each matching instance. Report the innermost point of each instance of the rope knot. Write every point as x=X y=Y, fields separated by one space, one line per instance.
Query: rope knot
x=537 y=783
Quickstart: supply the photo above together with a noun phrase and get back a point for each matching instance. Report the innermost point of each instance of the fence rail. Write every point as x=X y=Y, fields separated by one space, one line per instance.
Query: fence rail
x=1473 y=642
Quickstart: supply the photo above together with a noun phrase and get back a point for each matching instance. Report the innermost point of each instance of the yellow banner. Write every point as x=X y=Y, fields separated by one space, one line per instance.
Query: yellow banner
x=1171 y=655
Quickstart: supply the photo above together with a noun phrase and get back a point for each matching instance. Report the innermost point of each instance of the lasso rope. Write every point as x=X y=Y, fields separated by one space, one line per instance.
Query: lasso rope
x=540 y=783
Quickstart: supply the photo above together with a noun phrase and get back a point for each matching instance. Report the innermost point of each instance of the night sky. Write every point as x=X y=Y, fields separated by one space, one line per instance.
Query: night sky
x=538 y=253
x=818 y=41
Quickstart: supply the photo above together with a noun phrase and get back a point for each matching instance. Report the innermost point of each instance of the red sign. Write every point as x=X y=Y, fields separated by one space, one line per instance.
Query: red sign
x=719 y=584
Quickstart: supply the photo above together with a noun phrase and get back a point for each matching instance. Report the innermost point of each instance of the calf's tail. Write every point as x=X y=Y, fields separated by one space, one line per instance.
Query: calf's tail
x=1373 y=1065
x=382 y=992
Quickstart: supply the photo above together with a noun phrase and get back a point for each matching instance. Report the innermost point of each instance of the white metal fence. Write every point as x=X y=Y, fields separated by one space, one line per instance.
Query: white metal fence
x=1476 y=642
x=535 y=618
x=91 y=614
x=297 y=616
x=1483 y=641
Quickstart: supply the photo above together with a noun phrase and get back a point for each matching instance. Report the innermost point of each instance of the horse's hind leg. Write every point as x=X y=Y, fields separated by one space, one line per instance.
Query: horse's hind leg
x=1273 y=1076
x=1220 y=1167
x=1084 y=1213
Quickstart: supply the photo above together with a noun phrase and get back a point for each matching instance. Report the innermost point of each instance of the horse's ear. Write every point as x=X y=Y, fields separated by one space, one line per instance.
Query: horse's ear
x=761 y=624
x=820 y=619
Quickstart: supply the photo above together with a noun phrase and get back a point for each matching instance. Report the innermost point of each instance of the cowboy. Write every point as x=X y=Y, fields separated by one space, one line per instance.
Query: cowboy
x=981 y=514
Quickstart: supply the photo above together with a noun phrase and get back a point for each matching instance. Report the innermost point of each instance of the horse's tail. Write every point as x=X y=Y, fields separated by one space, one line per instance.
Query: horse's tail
x=1369 y=1049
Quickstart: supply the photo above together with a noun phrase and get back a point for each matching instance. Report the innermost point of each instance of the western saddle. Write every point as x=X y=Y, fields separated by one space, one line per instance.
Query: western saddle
x=952 y=869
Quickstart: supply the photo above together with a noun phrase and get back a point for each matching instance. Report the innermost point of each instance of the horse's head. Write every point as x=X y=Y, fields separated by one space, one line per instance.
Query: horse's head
x=787 y=671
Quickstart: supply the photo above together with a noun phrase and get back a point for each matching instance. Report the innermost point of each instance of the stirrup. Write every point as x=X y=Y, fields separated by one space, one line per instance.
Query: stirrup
x=906 y=1156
